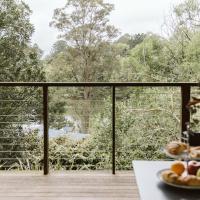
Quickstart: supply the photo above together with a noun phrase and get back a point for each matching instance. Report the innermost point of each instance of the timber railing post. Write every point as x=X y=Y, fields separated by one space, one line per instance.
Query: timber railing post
x=113 y=129
x=46 y=130
x=185 y=114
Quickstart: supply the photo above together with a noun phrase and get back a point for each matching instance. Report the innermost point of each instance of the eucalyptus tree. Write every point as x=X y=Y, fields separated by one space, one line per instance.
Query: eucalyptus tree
x=90 y=57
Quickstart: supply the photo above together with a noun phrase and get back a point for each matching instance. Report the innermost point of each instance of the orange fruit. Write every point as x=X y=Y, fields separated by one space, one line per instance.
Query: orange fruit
x=178 y=167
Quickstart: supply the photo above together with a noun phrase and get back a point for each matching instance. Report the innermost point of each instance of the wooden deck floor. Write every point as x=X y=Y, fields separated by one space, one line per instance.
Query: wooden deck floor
x=81 y=185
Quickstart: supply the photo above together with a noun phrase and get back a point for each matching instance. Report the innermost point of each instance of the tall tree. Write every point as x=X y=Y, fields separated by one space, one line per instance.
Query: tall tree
x=84 y=26
x=19 y=61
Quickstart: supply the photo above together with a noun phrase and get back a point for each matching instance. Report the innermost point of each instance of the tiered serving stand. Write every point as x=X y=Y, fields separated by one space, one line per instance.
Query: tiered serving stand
x=186 y=157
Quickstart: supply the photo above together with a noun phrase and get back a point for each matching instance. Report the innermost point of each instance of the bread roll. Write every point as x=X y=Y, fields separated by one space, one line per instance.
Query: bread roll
x=191 y=180
x=195 y=148
x=176 y=147
x=169 y=176
x=195 y=153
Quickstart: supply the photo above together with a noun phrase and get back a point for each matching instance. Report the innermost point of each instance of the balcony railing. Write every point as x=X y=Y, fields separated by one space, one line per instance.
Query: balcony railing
x=185 y=97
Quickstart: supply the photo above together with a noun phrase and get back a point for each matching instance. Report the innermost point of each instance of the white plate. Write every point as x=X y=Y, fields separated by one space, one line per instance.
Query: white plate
x=175 y=185
x=179 y=156
x=182 y=155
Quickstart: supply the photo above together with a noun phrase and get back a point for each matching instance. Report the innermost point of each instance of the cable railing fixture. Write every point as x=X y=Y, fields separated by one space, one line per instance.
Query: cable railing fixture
x=185 y=89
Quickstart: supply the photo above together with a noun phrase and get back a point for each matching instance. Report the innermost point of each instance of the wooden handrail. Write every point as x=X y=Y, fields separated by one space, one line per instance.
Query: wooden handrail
x=99 y=84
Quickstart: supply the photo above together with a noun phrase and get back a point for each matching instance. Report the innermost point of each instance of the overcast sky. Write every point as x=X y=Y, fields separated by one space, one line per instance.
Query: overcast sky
x=130 y=16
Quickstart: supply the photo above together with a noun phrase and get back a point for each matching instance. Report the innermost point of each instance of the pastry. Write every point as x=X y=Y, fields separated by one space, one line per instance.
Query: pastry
x=176 y=147
x=190 y=180
x=195 y=152
x=169 y=176
x=194 y=148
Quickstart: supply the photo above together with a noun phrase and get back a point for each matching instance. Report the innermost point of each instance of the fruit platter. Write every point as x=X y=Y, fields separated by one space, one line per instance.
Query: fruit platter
x=185 y=171
x=182 y=175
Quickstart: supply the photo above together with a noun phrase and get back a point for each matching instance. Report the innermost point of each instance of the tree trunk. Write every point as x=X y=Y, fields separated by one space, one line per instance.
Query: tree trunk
x=86 y=110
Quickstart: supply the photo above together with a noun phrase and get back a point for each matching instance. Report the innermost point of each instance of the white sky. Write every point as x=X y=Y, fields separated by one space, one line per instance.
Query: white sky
x=130 y=16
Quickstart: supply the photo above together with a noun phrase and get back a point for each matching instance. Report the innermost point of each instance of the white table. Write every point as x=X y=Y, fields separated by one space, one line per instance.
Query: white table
x=151 y=188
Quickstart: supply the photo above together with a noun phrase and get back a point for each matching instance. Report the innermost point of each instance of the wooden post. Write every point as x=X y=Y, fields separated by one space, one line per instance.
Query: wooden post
x=113 y=129
x=46 y=130
x=185 y=114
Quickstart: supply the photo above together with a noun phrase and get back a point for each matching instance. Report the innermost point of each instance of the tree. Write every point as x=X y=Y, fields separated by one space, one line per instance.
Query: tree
x=89 y=57
x=86 y=32
x=147 y=61
x=16 y=55
x=19 y=62
x=184 y=20
x=180 y=25
x=132 y=40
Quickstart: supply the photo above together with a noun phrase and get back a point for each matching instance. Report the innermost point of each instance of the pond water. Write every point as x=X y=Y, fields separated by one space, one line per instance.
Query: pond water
x=65 y=131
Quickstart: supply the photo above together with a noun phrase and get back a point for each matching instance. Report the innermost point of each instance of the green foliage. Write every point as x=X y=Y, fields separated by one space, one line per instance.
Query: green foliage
x=132 y=40
x=64 y=154
x=145 y=122
x=19 y=62
x=89 y=54
x=68 y=155
x=146 y=119
x=86 y=32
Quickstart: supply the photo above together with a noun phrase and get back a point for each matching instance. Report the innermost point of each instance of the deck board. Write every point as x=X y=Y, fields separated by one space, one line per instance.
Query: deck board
x=81 y=185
